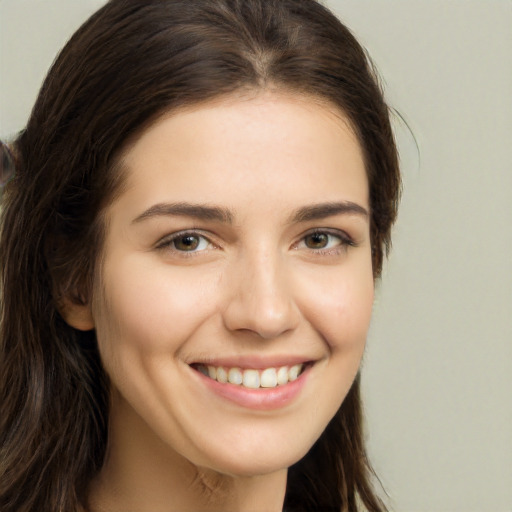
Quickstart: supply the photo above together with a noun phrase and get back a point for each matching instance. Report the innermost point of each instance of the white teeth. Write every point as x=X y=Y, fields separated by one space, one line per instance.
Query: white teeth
x=282 y=375
x=253 y=379
x=235 y=376
x=222 y=375
x=268 y=378
x=293 y=372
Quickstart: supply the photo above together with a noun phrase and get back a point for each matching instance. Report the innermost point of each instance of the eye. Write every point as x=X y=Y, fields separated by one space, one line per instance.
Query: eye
x=188 y=242
x=324 y=241
x=320 y=241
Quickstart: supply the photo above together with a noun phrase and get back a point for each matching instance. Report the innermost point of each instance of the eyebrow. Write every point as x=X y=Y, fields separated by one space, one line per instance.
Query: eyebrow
x=324 y=210
x=216 y=213
x=196 y=211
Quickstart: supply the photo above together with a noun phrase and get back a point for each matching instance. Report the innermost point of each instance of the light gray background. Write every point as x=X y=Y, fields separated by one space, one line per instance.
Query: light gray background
x=438 y=368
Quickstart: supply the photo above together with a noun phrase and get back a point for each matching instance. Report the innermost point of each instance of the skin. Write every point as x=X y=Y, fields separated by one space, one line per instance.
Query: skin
x=256 y=287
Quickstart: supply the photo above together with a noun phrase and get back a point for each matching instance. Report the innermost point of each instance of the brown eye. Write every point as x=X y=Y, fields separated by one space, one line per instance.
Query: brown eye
x=317 y=240
x=187 y=243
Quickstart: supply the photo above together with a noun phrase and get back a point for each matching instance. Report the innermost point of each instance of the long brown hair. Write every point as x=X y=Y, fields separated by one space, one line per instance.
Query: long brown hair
x=129 y=63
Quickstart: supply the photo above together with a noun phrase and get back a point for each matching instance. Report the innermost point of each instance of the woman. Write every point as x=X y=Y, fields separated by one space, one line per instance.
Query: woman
x=202 y=199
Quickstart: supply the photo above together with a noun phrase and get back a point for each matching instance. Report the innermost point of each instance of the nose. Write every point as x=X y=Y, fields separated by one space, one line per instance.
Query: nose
x=261 y=299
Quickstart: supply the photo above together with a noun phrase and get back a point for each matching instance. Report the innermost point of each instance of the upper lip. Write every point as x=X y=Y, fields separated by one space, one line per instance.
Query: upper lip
x=253 y=361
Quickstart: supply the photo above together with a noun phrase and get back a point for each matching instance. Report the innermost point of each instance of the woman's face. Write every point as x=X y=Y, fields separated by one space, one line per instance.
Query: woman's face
x=239 y=249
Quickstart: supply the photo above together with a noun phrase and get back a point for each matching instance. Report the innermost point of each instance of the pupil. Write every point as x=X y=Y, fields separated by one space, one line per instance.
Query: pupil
x=317 y=240
x=187 y=243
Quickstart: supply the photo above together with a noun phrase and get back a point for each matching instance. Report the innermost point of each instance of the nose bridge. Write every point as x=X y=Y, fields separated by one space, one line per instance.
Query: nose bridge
x=261 y=299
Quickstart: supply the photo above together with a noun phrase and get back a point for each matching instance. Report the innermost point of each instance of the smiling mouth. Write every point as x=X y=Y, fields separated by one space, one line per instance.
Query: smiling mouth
x=250 y=378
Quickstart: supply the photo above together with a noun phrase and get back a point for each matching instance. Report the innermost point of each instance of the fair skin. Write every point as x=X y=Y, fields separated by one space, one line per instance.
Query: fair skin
x=240 y=242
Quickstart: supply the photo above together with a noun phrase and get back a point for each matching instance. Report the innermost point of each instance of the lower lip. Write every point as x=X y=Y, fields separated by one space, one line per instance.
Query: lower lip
x=263 y=399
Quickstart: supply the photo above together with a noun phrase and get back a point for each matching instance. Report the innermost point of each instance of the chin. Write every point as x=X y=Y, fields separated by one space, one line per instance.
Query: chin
x=253 y=460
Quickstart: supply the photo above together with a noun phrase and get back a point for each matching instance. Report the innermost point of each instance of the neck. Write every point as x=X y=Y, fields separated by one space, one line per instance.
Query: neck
x=143 y=473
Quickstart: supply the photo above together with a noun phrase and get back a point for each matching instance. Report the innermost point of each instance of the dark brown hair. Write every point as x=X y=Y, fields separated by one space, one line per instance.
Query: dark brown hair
x=129 y=63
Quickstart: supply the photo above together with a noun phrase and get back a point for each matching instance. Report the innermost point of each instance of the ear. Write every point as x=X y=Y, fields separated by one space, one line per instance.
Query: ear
x=77 y=314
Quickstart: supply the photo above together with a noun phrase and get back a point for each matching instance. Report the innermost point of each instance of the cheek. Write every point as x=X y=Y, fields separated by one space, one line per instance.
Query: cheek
x=351 y=306
x=151 y=310
x=340 y=309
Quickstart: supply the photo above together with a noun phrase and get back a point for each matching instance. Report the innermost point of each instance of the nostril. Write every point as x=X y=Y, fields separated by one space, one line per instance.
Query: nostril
x=260 y=300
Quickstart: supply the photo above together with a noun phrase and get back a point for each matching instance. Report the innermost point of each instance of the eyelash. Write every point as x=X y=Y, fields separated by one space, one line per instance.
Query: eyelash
x=345 y=241
x=167 y=242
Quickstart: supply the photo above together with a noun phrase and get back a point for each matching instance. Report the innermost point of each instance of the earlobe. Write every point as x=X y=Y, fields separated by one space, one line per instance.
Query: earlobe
x=77 y=315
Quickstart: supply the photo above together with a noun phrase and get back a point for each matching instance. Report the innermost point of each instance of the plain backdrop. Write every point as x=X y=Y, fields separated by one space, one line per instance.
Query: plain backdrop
x=437 y=375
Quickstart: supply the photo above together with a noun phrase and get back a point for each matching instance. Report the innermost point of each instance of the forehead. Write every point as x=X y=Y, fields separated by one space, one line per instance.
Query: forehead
x=271 y=148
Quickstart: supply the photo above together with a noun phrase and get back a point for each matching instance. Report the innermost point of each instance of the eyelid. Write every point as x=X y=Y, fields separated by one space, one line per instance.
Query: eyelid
x=343 y=236
x=165 y=243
